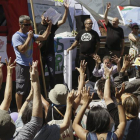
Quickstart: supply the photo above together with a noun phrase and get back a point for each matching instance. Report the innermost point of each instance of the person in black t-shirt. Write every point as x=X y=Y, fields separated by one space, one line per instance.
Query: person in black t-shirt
x=47 y=46
x=89 y=44
x=115 y=35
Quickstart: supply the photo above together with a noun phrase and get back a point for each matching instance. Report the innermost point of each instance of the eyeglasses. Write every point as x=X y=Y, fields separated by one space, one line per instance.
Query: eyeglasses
x=27 y=24
x=89 y=23
x=136 y=28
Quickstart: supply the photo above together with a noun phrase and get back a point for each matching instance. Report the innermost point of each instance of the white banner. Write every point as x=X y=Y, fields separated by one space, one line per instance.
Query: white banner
x=39 y=8
x=62 y=44
x=3 y=48
x=129 y=14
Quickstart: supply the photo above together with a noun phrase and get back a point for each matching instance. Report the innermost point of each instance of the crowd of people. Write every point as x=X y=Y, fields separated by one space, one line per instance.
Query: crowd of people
x=107 y=109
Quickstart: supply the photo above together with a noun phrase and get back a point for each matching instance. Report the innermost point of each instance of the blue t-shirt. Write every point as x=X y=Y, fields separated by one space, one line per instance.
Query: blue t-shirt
x=19 y=39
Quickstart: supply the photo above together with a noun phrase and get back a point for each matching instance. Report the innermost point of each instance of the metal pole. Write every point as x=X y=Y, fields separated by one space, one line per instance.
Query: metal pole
x=42 y=71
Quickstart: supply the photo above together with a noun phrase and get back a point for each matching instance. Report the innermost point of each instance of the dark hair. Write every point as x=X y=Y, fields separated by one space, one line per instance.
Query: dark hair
x=101 y=86
x=27 y=113
x=107 y=57
x=133 y=25
x=131 y=106
x=98 y=120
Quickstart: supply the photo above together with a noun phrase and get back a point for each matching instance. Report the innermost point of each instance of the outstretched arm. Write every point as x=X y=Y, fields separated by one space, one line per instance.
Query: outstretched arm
x=97 y=72
x=45 y=35
x=28 y=99
x=37 y=104
x=117 y=61
x=126 y=64
x=68 y=113
x=66 y=5
x=106 y=12
x=107 y=92
x=8 y=90
x=81 y=84
x=122 y=120
x=81 y=132
x=30 y=129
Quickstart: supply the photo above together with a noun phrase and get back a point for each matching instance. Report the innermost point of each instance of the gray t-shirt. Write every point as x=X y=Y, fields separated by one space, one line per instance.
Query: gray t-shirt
x=47 y=132
x=29 y=130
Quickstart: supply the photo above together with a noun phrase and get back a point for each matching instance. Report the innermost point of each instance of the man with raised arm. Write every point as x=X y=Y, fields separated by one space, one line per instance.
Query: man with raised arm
x=29 y=130
x=115 y=35
x=89 y=44
x=47 y=46
x=22 y=42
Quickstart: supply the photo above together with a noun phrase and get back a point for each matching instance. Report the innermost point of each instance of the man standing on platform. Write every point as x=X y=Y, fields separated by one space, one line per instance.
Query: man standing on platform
x=89 y=44
x=115 y=35
x=22 y=42
x=47 y=46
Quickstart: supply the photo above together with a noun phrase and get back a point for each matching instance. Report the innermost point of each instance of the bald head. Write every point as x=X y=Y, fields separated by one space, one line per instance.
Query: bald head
x=88 y=19
x=88 y=24
x=115 y=22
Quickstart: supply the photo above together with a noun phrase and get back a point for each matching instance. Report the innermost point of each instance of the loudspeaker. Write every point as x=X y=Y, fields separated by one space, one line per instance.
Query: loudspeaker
x=80 y=22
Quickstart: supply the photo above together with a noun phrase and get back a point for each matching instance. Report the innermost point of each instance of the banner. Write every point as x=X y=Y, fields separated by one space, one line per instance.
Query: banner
x=3 y=48
x=62 y=44
x=39 y=8
x=129 y=14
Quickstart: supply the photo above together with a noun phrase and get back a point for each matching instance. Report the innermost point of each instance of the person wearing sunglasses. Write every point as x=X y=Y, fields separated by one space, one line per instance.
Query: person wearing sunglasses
x=134 y=39
x=22 y=42
x=89 y=45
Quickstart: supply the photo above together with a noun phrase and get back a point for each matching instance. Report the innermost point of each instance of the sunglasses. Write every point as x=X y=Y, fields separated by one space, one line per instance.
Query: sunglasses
x=136 y=28
x=26 y=24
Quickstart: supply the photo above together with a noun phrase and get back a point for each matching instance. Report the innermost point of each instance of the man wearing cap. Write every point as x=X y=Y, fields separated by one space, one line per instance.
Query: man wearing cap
x=22 y=42
x=115 y=35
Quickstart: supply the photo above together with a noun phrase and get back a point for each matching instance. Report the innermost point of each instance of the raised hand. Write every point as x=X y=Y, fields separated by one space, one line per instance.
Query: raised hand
x=82 y=68
x=97 y=58
x=127 y=62
x=86 y=97
x=116 y=59
x=108 y=6
x=107 y=71
x=34 y=71
x=10 y=66
x=118 y=94
x=70 y=98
